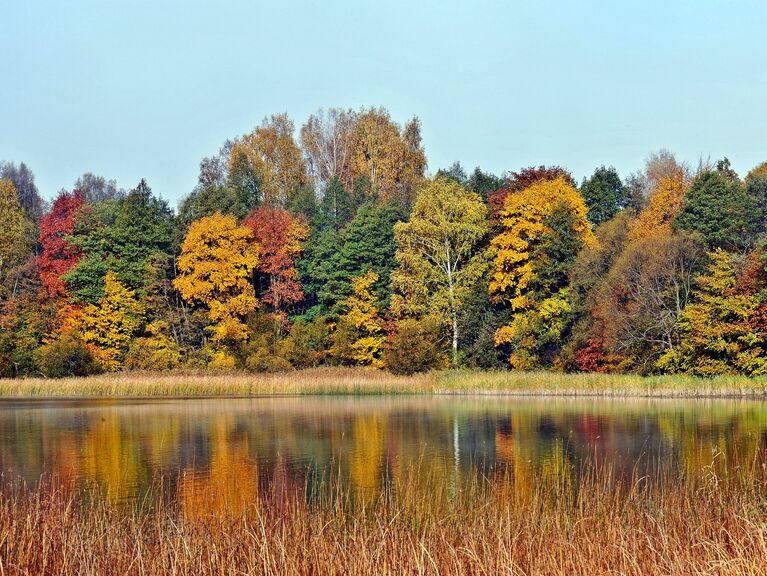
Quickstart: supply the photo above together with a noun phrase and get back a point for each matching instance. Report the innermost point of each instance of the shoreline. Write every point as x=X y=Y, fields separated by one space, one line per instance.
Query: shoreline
x=328 y=381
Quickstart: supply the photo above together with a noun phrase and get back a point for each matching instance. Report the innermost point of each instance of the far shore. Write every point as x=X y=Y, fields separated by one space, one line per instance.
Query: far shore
x=364 y=381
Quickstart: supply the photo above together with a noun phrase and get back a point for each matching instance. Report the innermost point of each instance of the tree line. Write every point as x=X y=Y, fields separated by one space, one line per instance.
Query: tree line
x=334 y=246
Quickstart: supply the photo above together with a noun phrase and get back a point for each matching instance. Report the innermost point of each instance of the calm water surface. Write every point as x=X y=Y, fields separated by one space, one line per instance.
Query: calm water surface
x=204 y=454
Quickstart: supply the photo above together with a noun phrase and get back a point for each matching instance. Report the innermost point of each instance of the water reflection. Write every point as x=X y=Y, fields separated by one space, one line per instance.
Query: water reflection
x=220 y=455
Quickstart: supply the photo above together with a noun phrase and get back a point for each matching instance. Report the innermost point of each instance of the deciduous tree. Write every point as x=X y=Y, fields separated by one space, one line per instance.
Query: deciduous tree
x=15 y=230
x=107 y=328
x=58 y=255
x=326 y=139
x=280 y=238
x=439 y=253
x=360 y=335
x=523 y=227
x=215 y=267
x=518 y=181
x=274 y=158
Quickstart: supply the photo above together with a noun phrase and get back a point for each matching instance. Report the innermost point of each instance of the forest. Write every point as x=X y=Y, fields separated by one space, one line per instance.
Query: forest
x=335 y=245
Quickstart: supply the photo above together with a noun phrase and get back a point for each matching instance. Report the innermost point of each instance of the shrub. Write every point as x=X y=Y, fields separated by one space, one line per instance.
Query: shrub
x=66 y=356
x=307 y=344
x=262 y=360
x=153 y=352
x=416 y=346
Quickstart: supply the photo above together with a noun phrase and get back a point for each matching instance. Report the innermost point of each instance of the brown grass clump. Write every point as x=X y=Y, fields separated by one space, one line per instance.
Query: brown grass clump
x=552 y=525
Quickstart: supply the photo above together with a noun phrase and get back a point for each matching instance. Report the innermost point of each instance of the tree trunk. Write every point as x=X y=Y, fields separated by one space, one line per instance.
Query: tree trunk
x=454 y=318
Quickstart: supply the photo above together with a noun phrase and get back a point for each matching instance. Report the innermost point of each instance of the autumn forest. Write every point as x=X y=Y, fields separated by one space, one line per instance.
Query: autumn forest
x=335 y=244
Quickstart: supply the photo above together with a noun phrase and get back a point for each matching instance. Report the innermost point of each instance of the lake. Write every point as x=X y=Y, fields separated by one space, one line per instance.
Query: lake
x=221 y=454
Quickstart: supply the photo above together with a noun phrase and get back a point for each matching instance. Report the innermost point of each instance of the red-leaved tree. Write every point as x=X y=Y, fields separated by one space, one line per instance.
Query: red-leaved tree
x=279 y=235
x=58 y=255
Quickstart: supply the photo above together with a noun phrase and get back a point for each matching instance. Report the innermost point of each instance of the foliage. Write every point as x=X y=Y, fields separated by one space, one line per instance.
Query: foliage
x=718 y=208
x=65 y=356
x=519 y=181
x=15 y=230
x=715 y=335
x=662 y=207
x=25 y=321
x=359 y=337
x=392 y=158
x=215 y=266
x=416 y=346
x=306 y=346
x=326 y=139
x=23 y=181
x=279 y=236
x=604 y=194
x=336 y=207
x=124 y=236
x=439 y=253
x=639 y=303
x=109 y=327
x=272 y=155
x=523 y=221
x=332 y=259
x=57 y=254
x=153 y=351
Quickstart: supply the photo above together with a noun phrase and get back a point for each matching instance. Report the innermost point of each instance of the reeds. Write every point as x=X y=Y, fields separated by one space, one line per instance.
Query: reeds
x=361 y=381
x=588 y=523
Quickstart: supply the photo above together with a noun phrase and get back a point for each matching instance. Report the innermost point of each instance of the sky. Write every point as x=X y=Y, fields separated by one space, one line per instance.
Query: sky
x=145 y=89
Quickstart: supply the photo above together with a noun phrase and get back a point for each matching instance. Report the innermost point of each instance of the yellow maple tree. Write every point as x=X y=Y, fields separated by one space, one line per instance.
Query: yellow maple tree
x=215 y=267
x=523 y=221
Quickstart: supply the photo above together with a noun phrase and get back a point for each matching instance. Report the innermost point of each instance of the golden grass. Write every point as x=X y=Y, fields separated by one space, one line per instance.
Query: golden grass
x=595 y=525
x=195 y=384
x=593 y=384
x=360 y=381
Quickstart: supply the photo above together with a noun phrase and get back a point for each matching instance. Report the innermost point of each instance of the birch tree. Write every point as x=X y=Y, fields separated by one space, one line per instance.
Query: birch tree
x=439 y=253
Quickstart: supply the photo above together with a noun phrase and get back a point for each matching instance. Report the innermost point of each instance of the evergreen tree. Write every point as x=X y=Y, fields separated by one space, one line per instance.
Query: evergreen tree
x=604 y=194
x=718 y=208
x=125 y=236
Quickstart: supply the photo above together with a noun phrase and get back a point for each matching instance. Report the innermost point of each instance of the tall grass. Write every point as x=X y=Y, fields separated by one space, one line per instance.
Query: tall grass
x=590 y=524
x=361 y=381
x=194 y=384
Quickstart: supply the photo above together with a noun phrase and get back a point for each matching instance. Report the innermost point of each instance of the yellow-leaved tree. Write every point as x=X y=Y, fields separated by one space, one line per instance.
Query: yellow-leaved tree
x=543 y=228
x=439 y=254
x=359 y=335
x=215 y=267
x=15 y=229
x=270 y=152
x=664 y=204
x=108 y=327
x=523 y=221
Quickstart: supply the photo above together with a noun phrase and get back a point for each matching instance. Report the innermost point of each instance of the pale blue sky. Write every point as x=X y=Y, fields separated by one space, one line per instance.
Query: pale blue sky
x=132 y=89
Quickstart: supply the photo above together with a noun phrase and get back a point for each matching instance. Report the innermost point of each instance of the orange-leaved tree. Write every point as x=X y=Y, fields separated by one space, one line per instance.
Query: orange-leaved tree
x=215 y=266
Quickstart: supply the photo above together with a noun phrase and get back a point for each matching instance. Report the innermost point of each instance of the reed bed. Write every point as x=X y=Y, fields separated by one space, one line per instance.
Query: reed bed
x=592 y=524
x=362 y=381
x=317 y=381
x=594 y=384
